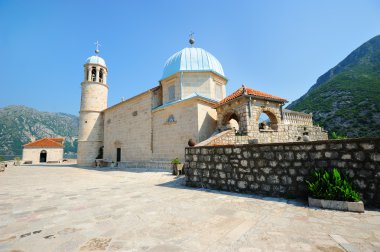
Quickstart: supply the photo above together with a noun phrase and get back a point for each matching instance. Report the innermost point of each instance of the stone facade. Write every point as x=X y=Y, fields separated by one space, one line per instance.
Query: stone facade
x=281 y=169
x=144 y=130
x=33 y=154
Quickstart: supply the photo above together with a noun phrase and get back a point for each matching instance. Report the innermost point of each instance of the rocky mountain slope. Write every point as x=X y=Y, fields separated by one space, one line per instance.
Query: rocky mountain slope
x=346 y=99
x=20 y=125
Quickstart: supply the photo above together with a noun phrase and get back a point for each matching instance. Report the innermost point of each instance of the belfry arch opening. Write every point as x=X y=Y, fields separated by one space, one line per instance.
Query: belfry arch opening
x=101 y=76
x=267 y=121
x=93 y=74
x=231 y=121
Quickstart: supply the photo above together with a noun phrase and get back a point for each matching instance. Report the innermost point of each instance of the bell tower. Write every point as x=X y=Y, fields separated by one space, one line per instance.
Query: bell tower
x=93 y=102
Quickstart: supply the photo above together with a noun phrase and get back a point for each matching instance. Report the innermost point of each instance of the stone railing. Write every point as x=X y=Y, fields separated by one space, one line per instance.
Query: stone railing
x=296 y=118
x=281 y=169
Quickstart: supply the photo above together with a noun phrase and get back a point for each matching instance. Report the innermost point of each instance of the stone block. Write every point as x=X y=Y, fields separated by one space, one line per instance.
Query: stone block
x=236 y=150
x=286 y=180
x=244 y=163
x=201 y=165
x=204 y=151
x=365 y=174
x=227 y=167
x=331 y=154
x=224 y=158
x=320 y=146
x=301 y=155
x=268 y=155
x=273 y=163
x=375 y=157
x=335 y=146
x=370 y=165
x=284 y=164
x=346 y=156
x=299 y=178
x=351 y=146
x=219 y=166
x=315 y=155
x=250 y=178
x=261 y=163
x=266 y=170
x=256 y=154
x=288 y=155
x=246 y=154
x=279 y=156
x=242 y=184
x=254 y=186
x=273 y=179
x=260 y=178
x=360 y=156
x=292 y=172
x=367 y=146
x=265 y=187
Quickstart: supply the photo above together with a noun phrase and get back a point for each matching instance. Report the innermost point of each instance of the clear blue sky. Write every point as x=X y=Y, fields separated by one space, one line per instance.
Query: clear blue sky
x=279 y=47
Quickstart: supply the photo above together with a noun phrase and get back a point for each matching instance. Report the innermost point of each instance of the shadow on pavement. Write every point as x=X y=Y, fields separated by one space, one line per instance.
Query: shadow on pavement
x=179 y=183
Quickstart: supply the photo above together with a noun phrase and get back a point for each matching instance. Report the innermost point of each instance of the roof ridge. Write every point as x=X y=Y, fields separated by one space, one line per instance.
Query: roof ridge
x=252 y=92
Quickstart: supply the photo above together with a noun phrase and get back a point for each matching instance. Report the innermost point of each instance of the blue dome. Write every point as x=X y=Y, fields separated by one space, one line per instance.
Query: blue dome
x=192 y=59
x=96 y=60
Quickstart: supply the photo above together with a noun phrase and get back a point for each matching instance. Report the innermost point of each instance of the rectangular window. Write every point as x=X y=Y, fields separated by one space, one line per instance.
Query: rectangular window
x=218 y=92
x=171 y=91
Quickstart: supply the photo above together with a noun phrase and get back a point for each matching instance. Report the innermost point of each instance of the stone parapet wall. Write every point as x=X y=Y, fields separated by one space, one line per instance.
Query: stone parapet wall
x=281 y=169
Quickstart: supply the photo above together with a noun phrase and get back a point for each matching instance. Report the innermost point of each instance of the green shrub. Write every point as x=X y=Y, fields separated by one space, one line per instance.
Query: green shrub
x=335 y=136
x=1 y=158
x=176 y=161
x=330 y=185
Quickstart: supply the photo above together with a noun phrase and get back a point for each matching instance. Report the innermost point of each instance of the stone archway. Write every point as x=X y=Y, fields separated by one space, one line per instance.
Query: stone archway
x=43 y=156
x=231 y=120
x=271 y=124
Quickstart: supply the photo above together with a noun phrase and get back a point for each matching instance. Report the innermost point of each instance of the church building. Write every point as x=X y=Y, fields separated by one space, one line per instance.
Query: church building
x=190 y=102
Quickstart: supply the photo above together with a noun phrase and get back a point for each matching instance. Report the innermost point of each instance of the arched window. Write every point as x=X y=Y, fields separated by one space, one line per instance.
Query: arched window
x=93 y=74
x=267 y=121
x=101 y=76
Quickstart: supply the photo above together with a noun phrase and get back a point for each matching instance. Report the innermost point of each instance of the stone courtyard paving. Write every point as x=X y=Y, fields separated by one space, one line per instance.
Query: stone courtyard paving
x=58 y=208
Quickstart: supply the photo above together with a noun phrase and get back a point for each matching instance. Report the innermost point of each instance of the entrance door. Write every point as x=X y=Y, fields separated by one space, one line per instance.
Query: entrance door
x=118 y=154
x=43 y=156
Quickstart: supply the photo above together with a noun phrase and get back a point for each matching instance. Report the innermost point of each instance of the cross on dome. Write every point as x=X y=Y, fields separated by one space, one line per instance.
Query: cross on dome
x=97 y=47
x=191 y=38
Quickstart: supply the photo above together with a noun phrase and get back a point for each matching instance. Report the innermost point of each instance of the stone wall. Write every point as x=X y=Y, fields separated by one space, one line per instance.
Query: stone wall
x=281 y=169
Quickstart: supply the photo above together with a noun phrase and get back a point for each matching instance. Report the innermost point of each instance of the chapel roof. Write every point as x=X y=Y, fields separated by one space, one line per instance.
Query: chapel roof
x=55 y=142
x=252 y=92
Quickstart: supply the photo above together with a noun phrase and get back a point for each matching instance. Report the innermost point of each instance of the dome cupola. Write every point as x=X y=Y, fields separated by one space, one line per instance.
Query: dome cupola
x=192 y=59
x=96 y=60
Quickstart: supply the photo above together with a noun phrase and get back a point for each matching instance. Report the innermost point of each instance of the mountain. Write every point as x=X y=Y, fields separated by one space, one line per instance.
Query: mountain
x=20 y=125
x=346 y=99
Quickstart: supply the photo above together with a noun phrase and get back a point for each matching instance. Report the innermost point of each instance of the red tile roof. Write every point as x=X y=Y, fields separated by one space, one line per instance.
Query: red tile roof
x=47 y=142
x=252 y=92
